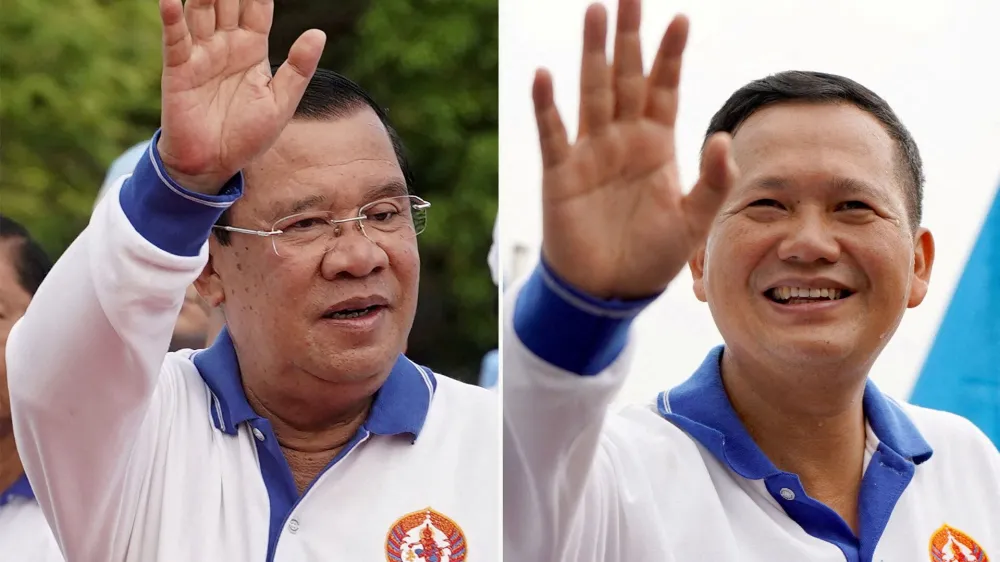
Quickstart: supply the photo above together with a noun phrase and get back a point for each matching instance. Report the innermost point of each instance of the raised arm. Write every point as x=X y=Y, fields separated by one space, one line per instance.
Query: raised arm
x=84 y=362
x=564 y=359
x=617 y=230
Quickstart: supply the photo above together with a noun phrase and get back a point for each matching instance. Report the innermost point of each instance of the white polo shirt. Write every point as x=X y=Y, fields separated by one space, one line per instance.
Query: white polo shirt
x=24 y=534
x=140 y=455
x=681 y=479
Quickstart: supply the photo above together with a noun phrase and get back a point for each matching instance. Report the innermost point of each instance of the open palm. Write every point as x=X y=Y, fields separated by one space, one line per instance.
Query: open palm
x=220 y=105
x=616 y=222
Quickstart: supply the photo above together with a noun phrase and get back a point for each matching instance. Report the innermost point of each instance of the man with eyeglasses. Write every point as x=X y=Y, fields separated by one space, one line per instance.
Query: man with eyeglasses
x=803 y=236
x=303 y=432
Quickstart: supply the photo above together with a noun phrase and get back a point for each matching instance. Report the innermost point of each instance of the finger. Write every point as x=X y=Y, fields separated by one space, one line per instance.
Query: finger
x=665 y=77
x=257 y=15
x=629 y=82
x=200 y=16
x=176 y=39
x=596 y=97
x=227 y=14
x=551 y=131
x=294 y=75
x=718 y=174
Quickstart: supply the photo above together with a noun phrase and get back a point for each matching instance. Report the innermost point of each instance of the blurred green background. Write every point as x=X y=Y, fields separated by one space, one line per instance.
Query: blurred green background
x=79 y=84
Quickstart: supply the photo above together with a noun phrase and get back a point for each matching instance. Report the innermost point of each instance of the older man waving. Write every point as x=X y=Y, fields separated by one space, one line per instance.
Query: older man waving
x=303 y=433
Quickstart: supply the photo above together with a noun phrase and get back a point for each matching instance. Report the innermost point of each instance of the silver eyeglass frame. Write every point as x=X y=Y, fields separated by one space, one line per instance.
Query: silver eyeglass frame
x=420 y=204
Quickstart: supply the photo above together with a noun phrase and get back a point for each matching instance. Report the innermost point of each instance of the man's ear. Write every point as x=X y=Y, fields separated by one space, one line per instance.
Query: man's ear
x=209 y=284
x=923 y=262
x=697 y=265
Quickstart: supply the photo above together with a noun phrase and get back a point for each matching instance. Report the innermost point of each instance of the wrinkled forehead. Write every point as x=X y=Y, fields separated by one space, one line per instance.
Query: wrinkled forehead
x=335 y=164
x=816 y=144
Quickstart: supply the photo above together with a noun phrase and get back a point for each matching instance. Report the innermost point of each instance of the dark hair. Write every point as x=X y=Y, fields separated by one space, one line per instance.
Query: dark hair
x=820 y=87
x=30 y=260
x=332 y=96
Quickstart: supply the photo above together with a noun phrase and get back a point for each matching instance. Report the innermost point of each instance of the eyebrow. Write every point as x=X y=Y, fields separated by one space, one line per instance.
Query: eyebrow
x=839 y=183
x=391 y=188
x=296 y=207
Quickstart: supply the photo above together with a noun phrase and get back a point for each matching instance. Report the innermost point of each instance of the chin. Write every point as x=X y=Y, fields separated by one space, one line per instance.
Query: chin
x=821 y=343
x=355 y=363
x=821 y=353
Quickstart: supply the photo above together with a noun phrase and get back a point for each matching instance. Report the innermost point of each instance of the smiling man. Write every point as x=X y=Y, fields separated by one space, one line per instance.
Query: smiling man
x=803 y=236
x=303 y=432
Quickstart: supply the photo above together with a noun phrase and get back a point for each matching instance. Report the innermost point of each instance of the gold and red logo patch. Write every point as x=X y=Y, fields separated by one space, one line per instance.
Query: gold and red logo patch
x=425 y=536
x=948 y=544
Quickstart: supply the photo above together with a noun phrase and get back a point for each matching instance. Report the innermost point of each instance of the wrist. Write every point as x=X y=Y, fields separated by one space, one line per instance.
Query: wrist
x=205 y=184
x=598 y=285
x=589 y=296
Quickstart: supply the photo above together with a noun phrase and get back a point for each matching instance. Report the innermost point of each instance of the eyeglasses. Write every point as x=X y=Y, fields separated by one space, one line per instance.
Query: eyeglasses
x=318 y=232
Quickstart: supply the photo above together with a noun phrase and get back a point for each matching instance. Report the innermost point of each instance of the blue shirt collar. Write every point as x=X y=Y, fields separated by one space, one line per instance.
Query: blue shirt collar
x=701 y=407
x=20 y=488
x=400 y=405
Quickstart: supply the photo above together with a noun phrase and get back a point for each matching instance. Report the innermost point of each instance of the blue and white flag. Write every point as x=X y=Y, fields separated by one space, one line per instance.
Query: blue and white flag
x=962 y=371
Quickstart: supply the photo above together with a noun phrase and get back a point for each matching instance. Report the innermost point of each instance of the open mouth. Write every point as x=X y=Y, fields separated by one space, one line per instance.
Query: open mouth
x=803 y=295
x=351 y=313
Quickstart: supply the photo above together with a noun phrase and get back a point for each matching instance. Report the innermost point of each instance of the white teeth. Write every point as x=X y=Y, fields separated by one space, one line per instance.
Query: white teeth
x=786 y=293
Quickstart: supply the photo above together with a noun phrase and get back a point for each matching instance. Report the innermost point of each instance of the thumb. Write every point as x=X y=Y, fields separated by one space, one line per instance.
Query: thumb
x=294 y=75
x=718 y=174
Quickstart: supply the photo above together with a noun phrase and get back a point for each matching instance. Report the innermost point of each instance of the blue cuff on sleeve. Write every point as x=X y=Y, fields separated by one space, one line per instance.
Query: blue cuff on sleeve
x=170 y=217
x=569 y=329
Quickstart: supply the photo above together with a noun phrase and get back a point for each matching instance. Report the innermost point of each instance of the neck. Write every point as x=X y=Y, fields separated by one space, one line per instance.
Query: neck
x=812 y=426
x=10 y=463
x=312 y=419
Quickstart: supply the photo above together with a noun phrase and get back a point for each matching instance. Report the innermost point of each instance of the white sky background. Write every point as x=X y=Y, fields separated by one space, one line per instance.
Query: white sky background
x=935 y=62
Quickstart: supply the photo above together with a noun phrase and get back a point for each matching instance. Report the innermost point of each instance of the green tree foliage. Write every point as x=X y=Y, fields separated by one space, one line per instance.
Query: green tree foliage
x=434 y=65
x=79 y=83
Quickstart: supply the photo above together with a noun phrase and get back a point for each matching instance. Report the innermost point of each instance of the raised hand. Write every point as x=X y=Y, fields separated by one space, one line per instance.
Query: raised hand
x=616 y=222
x=221 y=107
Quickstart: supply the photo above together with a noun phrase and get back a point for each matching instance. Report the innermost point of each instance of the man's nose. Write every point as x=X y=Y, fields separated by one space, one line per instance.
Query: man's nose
x=353 y=254
x=810 y=239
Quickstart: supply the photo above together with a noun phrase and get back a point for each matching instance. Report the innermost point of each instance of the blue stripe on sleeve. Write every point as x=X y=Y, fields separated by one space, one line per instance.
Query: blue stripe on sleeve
x=170 y=217
x=569 y=329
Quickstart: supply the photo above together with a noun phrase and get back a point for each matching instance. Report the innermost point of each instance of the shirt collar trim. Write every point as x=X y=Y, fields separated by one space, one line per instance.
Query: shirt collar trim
x=400 y=405
x=701 y=407
x=21 y=488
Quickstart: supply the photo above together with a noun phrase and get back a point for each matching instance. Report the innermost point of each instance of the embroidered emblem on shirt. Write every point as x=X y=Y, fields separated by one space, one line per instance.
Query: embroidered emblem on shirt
x=948 y=544
x=425 y=536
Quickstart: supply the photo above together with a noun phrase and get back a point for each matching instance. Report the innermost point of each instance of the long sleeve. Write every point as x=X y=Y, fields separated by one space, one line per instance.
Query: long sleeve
x=83 y=363
x=564 y=359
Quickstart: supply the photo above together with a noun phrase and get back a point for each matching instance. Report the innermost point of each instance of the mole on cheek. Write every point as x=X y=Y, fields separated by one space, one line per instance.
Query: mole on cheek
x=239 y=266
